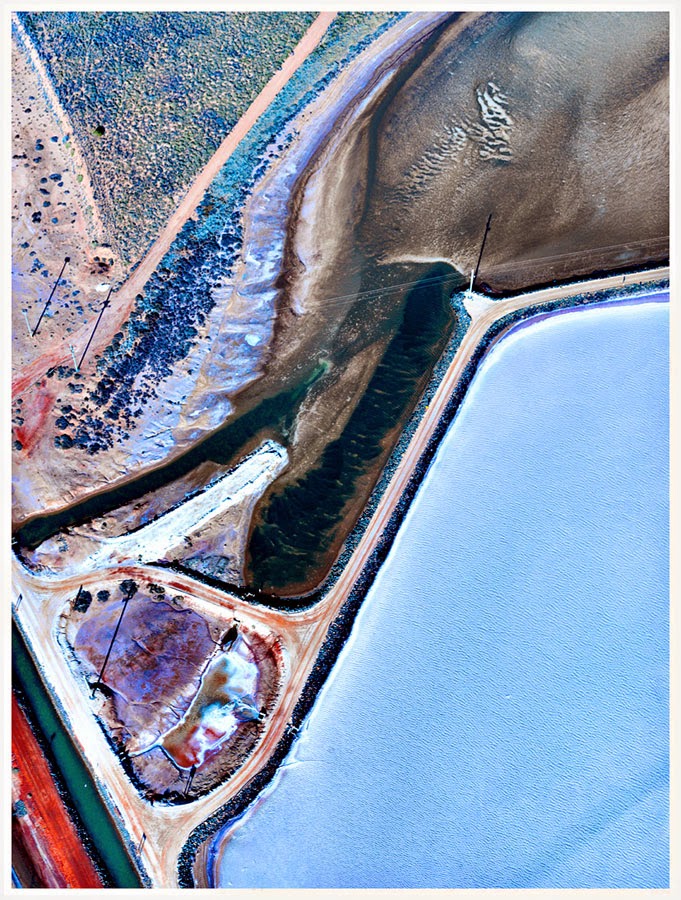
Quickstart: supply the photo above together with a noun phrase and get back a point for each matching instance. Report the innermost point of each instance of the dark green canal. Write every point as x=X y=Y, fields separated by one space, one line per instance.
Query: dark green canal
x=299 y=529
x=292 y=546
x=273 y=415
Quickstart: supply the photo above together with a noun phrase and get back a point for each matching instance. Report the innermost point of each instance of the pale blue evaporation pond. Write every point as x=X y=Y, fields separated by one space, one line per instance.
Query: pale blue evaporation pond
x=499 y=716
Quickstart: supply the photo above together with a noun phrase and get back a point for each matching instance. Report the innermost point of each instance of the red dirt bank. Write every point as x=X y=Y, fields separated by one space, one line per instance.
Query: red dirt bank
x=46 y=847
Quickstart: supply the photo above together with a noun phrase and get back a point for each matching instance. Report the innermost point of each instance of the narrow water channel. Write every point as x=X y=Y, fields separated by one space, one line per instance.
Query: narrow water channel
x=83 y=796
x=300 y=553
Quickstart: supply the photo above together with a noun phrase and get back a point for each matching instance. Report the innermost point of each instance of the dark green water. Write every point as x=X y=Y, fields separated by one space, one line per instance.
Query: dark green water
x=293 y=542
x=275 y=415
x=300 y=527
x=271 y=417
x=75 y=775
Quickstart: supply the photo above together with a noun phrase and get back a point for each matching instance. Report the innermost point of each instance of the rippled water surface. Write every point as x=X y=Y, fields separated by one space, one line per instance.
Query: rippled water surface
x=499 y=715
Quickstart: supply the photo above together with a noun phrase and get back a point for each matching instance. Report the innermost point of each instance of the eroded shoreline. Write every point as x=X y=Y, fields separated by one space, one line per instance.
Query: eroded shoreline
x=346 y=88
x=317 y=622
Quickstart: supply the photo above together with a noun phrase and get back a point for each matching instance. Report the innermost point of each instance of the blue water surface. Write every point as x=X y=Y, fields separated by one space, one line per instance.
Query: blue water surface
x=499 y=716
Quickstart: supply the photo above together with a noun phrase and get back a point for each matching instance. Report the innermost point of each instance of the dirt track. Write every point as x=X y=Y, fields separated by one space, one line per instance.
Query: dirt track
x=124 y=298
x=303 y=633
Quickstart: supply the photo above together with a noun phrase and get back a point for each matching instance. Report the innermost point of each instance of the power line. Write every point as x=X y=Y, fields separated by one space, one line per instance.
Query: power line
x=49 y=299
x=375 y=292
x=482 y=247
x=126 y=600
x=99 y=319
x=192 y=773
x=628 y=245
x=382 y=291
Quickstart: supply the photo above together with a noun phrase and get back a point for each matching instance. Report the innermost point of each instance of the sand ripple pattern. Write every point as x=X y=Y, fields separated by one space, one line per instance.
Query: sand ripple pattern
x=490 y=135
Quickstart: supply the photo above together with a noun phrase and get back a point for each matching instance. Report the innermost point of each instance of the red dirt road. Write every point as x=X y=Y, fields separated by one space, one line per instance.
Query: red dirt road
x=124 y=298
x=44 y=836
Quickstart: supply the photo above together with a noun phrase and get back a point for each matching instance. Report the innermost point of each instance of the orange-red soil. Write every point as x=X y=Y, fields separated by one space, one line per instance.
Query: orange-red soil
x=45 y=842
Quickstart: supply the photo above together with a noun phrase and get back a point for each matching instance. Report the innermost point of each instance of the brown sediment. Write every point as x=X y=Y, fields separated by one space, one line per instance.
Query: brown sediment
x=46 y=847
x=344 y=154
x=294 y=302
x=572 y=160
x=428 y=199
x=512 y=276
x=342 y=390
x=559 y=163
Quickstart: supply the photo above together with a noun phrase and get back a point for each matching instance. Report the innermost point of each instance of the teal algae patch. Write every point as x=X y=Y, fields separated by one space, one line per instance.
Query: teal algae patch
x=165 y=321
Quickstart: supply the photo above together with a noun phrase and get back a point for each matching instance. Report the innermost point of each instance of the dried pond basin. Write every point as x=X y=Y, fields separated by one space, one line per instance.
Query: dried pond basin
x=183 y=692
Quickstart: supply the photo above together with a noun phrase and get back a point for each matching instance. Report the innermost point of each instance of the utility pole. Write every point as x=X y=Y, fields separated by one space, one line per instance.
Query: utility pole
x=141 y=844
x=192 y=773
x=484 y=239
x=28 y=324
x=49 y=299
x=99 y=319
x=73 y=356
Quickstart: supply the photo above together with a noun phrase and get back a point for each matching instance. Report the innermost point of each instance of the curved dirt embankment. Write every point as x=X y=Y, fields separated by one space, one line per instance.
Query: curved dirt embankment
x=553 y=122
x=55 y=483
x=410 y=175
x=154 y=444
x=312 y=637
x=285 y=334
